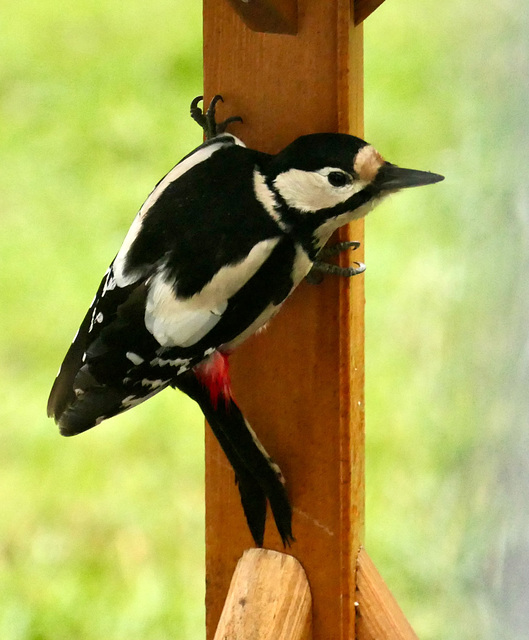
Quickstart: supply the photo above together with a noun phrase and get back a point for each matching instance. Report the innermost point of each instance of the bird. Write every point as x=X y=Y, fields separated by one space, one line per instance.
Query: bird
x=213 y=253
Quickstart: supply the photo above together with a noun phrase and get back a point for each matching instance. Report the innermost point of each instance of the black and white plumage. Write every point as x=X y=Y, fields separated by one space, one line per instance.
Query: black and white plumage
x=211 y=256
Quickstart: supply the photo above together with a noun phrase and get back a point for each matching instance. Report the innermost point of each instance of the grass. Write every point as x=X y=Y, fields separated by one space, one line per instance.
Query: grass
x=101 y=536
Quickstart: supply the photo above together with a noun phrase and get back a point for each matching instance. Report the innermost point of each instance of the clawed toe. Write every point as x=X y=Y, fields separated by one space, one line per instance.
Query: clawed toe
x=207 y=120
x=319 y=267
x=338 y=247
x=335 y=270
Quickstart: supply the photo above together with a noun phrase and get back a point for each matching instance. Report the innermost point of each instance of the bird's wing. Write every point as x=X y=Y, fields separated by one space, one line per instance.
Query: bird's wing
x=182 y=321
x=160 y=300
x=111 y=305
x=135 y=339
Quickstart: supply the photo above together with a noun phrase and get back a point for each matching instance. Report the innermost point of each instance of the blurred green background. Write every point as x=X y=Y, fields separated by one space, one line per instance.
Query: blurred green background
x=102 y=536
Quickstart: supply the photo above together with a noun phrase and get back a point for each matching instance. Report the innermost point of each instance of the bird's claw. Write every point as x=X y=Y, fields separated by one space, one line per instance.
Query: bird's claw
x=338 y=247
x=319 y=267
x=207 y=120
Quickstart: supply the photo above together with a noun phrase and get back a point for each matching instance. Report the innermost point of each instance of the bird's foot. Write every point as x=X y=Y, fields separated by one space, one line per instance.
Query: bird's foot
x=319 y=268
x=207 y=120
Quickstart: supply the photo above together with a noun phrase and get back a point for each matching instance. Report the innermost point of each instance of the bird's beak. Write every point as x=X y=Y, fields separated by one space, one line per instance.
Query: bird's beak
x=390 y=177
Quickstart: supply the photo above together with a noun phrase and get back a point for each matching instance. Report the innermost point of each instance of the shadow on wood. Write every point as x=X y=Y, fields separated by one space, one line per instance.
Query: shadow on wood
x=364 y=8
x=268 y=16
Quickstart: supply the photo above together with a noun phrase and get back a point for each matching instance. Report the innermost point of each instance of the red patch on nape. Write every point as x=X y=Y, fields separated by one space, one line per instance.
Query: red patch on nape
x=214 y=374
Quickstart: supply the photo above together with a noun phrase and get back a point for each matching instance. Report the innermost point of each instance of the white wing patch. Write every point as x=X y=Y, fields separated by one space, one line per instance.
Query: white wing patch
x=201 y=155
x=300 y=268
x=182 y=322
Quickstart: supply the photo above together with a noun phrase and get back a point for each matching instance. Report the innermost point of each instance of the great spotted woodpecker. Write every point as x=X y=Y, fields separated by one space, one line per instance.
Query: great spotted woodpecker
x=215 y=250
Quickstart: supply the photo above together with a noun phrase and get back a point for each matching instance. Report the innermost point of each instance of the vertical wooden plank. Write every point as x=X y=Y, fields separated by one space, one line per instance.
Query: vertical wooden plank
x=300 y=383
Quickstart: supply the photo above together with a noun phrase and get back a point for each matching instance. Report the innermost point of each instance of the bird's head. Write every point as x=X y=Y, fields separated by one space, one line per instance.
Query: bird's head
x=325 y=180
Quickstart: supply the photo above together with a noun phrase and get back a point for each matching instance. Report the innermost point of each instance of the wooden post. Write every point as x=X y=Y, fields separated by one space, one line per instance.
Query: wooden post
x=301 y=382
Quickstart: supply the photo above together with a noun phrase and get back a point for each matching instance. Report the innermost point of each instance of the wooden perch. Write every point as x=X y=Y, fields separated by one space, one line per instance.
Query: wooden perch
x=378 y=616
x=269 y=599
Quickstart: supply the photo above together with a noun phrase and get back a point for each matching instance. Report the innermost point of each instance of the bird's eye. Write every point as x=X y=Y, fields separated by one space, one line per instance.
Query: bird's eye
x=338 y=179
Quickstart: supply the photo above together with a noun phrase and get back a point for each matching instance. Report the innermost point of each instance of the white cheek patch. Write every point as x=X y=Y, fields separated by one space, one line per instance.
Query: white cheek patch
x=310 y=191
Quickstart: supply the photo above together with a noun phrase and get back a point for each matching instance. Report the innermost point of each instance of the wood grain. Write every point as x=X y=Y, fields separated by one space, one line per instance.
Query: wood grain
x=300 y=383
x=269 y=599
x=379 y=617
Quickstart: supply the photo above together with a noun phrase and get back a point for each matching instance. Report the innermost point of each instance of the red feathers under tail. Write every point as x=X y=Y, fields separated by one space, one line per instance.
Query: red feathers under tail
x=214 y=374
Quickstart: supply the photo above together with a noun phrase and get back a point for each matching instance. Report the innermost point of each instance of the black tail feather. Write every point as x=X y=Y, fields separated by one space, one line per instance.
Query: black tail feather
x=256 y=477
x=253 y=500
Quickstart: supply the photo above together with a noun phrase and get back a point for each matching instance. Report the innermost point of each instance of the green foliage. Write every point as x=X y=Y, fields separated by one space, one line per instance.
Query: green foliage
x=101 y=536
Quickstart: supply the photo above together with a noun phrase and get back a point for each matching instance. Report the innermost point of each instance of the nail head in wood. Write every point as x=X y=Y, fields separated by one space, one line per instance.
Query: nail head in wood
x=269 y=599
x=268 y=16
